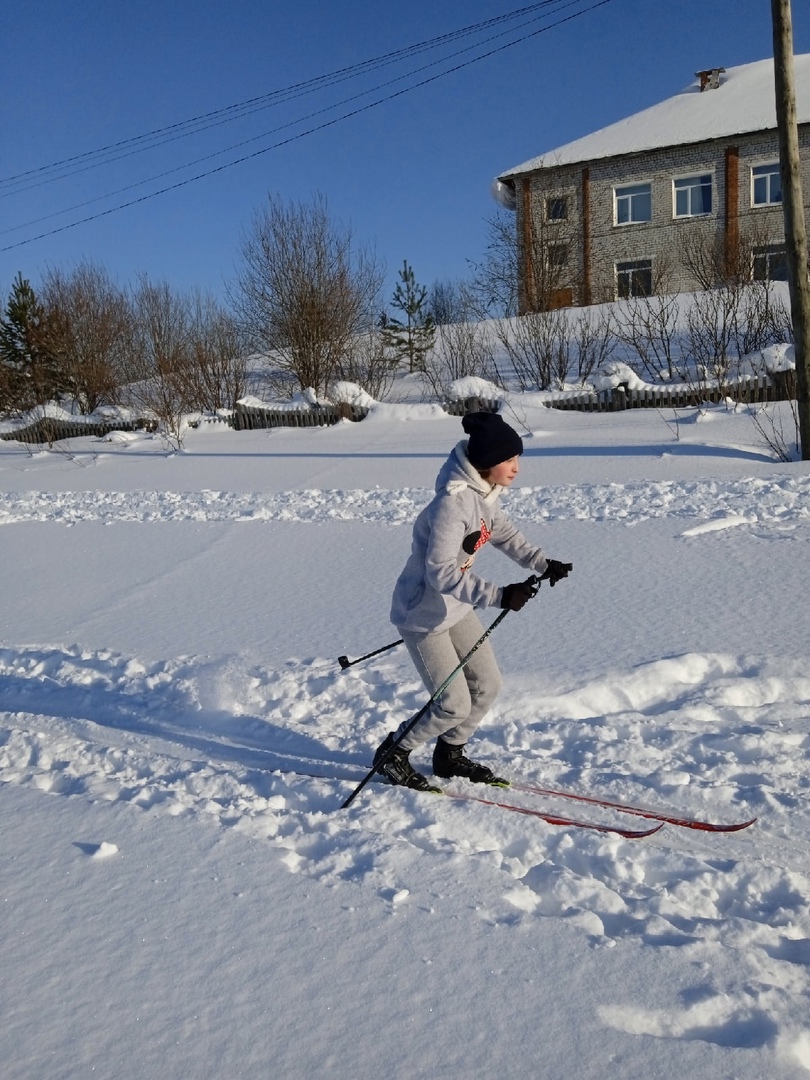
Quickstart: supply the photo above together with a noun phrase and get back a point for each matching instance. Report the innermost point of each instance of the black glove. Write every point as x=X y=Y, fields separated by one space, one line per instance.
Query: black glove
x=556 y=571
x=515 y=596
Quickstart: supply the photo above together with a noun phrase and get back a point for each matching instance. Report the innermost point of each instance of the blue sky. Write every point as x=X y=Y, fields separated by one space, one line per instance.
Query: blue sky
x=411 y=175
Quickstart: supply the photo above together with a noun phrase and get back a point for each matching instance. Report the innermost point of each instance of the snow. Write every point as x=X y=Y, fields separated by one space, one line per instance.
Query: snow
x=779 y=358
x=52 y=411
x=615 y=373
x=743 y=102
x=179 y=897
x=351 y=393
x=472 y=386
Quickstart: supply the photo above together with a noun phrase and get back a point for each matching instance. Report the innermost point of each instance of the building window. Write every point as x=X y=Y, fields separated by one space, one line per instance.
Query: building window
x=557 y=209
x=556 y=256
x=770 y=263
x=766 y=185
x=692 y=195
x=634 y=279
x=633 y=203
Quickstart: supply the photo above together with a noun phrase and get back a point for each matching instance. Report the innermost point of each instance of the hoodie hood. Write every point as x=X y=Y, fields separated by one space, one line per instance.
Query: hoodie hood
x=457 y=473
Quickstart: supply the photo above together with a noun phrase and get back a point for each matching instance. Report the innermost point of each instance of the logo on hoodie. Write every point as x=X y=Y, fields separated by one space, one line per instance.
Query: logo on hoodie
x=472 y=542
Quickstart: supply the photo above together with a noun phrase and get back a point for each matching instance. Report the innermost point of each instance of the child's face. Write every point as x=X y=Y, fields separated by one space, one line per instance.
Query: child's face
x=505 y=472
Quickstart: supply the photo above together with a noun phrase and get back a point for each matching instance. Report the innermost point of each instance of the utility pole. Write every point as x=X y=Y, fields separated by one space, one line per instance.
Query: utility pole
x=793 y=209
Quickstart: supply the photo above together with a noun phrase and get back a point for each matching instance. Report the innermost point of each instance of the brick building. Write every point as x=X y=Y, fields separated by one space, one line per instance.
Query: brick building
x=668 y=200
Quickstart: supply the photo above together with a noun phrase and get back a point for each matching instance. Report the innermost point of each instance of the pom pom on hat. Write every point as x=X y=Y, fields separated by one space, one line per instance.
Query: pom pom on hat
x=492 y=440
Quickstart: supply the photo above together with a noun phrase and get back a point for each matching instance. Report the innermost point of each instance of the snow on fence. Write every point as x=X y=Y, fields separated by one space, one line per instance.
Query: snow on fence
x=751 y=389
x=249 y=417
x=49 y=430
x=779 y=386
x=472 y=404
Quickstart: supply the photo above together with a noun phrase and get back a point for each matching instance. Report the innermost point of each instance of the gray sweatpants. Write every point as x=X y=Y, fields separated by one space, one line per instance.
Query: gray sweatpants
x=466 y=701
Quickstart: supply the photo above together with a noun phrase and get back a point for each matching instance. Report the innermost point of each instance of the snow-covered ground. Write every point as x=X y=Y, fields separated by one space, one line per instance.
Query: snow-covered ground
x=181 y=900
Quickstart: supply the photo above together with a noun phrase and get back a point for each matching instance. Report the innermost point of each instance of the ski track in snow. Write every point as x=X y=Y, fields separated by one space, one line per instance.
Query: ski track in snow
x=782 y=501
x=719 y=736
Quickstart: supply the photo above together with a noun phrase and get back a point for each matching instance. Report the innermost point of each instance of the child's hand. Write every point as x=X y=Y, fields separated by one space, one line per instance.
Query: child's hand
x=556 y=571
x=515 y=596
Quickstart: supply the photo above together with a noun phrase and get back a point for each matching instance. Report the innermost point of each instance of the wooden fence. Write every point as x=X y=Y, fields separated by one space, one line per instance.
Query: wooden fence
x=48 y=430
x=251 y=417
x=780 y=386
x=759 y=389
x=472 y=404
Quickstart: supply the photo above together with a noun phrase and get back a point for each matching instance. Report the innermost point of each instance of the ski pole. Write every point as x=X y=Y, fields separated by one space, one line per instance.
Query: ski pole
x=345 y=662
x=414 y=719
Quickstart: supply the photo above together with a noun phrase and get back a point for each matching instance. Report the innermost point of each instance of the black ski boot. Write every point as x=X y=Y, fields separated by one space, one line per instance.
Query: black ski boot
x=397 y=769
x=449 y=760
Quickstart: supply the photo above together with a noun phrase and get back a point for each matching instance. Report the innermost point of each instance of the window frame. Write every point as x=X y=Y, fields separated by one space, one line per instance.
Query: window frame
x=774 y=170
x=629 y=268
x=557 y=255
x=769 y=253
x=683 y=179
x=618 y=196
x=560 y=201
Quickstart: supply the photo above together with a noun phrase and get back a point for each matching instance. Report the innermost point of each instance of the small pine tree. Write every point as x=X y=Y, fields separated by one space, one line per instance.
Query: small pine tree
x=411 y=336
x=29 y=370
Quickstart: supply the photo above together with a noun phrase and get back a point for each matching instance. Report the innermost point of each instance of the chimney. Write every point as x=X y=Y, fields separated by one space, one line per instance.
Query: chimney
x=710 y=79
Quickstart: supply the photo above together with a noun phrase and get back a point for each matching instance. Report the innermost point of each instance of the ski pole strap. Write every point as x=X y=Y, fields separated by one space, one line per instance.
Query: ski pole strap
x=418 y=716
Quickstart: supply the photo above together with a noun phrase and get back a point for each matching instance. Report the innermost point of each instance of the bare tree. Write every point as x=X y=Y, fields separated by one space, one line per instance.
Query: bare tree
x=710 y=322
x=160 y=360
x=367 y=362
x=748 y=308
x=648 y=325
x=536 y=345
x=592 y=340
x=461 y=350
x=731 y=315
x=90 y=319
x=704 y=255
x=728 y=322
x=777 y=422
x=305 y=289
x=763 y=319
x=493 y=287
x=448 y=303
x=218 y=355
x=712 y=261
x=550 y=279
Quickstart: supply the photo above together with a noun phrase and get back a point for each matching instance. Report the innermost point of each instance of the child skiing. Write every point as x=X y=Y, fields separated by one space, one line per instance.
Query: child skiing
x=437 y=592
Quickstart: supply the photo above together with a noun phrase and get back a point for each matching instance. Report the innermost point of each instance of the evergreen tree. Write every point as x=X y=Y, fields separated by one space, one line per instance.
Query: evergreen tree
x=29 y=370
x=411 y=336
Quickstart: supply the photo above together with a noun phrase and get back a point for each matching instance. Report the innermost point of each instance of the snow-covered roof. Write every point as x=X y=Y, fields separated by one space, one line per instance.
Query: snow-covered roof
x=743 y=102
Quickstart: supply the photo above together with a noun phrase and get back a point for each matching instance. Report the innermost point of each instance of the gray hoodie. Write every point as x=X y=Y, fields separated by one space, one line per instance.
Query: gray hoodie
x=437 y=588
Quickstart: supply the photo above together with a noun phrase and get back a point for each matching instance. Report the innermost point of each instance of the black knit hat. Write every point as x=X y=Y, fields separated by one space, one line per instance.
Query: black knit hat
x=491 y=440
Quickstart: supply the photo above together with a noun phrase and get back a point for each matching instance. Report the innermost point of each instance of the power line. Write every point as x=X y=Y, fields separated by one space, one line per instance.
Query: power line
x=265 y=134
x=245 y=142
x=309 y=131
x=205 y=121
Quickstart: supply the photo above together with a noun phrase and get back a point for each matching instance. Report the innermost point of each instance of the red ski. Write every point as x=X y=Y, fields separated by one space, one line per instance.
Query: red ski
x=556 y=819
x=626 y=808
x=551 y=819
